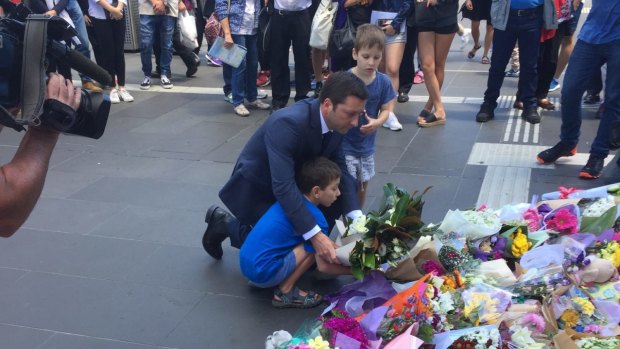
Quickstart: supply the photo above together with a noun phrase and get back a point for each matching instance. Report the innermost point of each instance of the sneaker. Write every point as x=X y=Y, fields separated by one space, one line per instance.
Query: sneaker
x=554 y=85
x=512 y=73
x=261 y=94
x=114 y=96
x=263 y=79
x=591 y=98
x=258 y=104
x=593 y=167
x=392 y=123
x=557 y=151
x=165 y=82
x=317 y=89
x=465 y=38
x=91 y=86
x=228 y=98
x=241 y=110
x=418 y=78
x=213 y=62
x=403 y=97
x=146 y=83
x=125 y=96
x=486 y=113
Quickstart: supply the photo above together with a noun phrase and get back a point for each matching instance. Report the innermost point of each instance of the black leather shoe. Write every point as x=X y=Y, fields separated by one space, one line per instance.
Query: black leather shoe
x=531 y=115
x=192 y=67
x=402 y=97
x=485 y=114
x=216 y=231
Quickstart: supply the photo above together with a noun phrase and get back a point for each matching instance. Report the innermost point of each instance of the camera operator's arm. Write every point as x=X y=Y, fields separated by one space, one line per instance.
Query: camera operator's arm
x=21 y=180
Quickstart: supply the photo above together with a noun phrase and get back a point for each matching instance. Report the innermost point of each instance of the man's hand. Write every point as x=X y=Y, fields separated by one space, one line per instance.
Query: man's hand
x=87 y=21
x=182 y=7
x=62 y=90
x=158 y=7
x=51 y=13
x=228 y=42
x=469 y=5
x=389 y=30
x=324 y=247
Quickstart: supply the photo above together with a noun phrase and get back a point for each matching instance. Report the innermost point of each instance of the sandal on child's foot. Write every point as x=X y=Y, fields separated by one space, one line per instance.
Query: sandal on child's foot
x=432 y=120
x=485 y=60
x=294 y=299
x=472 y=52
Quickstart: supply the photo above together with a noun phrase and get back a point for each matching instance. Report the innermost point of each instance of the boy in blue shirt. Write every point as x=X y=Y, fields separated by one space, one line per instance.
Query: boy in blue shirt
x=274 y=256
x=359 y=143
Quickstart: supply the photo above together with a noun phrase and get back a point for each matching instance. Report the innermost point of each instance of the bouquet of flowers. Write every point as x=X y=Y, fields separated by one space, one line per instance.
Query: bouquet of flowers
x=597 y=215
x=343 y=331
x=598 y=343
x=580 y=314
x=484 y=337
x=389 y=233
x=563 y=220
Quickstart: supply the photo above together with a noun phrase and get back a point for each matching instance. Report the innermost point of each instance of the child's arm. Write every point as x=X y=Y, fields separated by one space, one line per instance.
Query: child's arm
x=374 y=124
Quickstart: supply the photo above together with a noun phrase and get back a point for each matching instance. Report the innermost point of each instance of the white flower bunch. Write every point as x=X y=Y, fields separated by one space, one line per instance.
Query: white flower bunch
x=485 y=218
x=598 y=207
x=598 y=343
x=522 y=338
x=358 y=226
x=482 y=337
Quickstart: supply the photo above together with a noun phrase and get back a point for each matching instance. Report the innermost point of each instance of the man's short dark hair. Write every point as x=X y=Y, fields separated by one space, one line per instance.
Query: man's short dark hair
x=317 y=172
x=341 y=85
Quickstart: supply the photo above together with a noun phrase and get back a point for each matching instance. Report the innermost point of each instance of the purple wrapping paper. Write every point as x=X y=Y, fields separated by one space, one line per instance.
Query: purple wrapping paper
x=370 y=323
x=361 y=296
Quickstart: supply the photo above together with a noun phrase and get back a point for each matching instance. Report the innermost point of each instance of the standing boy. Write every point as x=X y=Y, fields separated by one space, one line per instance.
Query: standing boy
x=359 y=143
x=273 y=255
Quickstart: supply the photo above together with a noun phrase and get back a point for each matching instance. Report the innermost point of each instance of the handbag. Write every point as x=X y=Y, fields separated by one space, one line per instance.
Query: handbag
x=322 y=24
x=213 y=29
x=342 y=41
x=187 y=30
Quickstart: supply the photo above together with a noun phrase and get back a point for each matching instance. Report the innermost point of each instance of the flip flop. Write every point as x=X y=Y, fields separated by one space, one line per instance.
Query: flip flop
x=294 y=299
x=424 y=114
x=432 y=120
x=472 y=52
x=485 y=60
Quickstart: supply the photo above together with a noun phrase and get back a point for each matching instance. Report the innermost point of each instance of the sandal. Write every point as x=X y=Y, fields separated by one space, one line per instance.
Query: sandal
x=294 y=299
x=432 y=120
x=424 y=114
x=485 y=60
x=472 y=52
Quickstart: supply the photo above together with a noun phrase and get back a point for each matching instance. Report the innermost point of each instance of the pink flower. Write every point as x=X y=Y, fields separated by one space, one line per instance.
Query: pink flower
x=563 y=222
x=533 y=219
x=535 y=322
x=432 y=266
x=592 y=329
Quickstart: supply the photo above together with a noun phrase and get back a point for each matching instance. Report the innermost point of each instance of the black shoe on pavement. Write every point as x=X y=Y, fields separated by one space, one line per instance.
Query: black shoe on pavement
x=485 y=114
x=531 y=115
x=593 y=168
x=216 y=231
x=402 y=97
x=557 y=151
x=591 y=98
x=192 y=67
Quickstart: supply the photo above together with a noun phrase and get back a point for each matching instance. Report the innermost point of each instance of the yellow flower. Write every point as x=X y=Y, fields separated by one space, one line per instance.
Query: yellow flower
x=586 y=307
x=611 y=252
x=318 y=343
x=570 y=318
x=520 y=245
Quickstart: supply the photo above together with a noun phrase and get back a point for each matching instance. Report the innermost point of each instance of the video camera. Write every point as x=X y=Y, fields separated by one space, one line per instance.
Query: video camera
x=30 y=48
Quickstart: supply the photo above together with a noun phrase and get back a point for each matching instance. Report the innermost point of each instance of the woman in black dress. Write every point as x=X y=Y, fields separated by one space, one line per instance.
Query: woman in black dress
x=476 y=11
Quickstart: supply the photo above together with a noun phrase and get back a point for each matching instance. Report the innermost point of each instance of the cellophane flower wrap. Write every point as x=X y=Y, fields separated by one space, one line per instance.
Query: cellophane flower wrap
x=390 y=232
x=338 y=322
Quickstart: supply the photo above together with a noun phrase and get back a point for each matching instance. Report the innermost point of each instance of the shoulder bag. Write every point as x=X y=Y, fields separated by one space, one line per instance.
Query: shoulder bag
x=323 y=23
x=342 y=41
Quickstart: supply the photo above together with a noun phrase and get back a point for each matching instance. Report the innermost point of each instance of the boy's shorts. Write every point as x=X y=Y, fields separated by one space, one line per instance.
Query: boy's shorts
x=361 y=168
x=288 y=266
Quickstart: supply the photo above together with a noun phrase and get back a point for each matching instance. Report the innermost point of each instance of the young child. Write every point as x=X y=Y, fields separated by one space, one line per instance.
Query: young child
x=274 y=256
x=359 y=143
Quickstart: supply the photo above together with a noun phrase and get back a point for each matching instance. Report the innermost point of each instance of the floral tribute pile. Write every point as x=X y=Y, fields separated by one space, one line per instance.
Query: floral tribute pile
x=526 y=276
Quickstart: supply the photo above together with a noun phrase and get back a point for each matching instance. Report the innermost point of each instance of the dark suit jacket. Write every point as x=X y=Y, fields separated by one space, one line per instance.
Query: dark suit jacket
x=265 y=170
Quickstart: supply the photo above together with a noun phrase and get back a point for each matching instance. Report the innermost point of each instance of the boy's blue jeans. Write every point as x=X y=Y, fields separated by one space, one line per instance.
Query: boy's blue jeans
x=148 y=25
x=585 y=62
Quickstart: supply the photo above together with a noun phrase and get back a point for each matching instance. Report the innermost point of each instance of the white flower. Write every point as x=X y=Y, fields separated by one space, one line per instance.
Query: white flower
x=358 y=226
x=522 y=337
x=446 y=304
x=398 y=249
x=599 y=207
x=382 y=250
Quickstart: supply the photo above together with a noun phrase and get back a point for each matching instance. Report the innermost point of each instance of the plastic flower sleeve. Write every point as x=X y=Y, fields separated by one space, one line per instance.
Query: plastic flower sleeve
x=543 y=256
x=473 y=224
x=445 y=339
x=484 y=304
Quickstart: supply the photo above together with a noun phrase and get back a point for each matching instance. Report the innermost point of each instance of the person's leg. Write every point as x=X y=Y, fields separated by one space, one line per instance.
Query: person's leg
x=166 y=32
x=529 y=46
x=488 y=39
x=393 y=58
x=102 y=30
x=303 y=262
x=407 y=67
x=301 y=53
x=147 y=29
x=280 y=73
x=74 y=11
x=548 y=64
x=251 y=67
x=503 y=44
x=324 y=266
x=568 y=42
x=238 y=75
x=200 y=25
x=475 y=34
x=584 y=62
x=118 y=38
x=318 y=58
x=611 y=112
x=227 y=76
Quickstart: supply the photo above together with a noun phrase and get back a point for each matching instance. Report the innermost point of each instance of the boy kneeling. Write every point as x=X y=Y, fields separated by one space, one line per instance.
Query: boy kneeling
x=274 y=256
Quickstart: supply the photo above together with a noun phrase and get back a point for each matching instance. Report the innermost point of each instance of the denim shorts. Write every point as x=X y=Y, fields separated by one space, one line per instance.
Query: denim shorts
x=396 y=38
x=361 y=168
x=288 y=266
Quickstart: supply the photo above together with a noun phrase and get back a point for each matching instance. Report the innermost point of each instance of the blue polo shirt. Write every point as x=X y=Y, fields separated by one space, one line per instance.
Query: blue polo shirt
x=524 y=4
x=271 y=239
x=603 y=23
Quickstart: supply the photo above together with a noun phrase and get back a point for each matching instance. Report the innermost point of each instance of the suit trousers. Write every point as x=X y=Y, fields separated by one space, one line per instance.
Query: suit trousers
x=289 y=28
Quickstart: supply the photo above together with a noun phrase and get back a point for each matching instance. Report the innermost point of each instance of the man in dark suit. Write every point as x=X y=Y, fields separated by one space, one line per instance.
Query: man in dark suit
x=265 y=170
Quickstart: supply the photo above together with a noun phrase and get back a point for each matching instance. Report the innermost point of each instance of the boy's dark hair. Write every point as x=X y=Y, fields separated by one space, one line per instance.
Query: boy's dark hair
x=317 y=172
x=341 y=85
x=369 y=36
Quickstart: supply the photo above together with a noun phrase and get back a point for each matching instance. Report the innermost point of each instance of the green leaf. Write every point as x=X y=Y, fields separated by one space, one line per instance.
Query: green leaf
x=369 y=260
x=357 y=272
x=596 y=225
